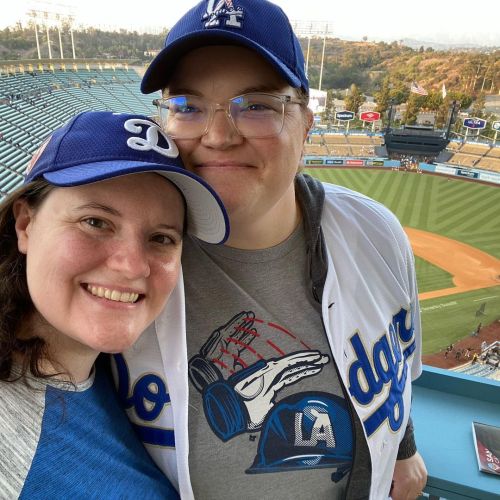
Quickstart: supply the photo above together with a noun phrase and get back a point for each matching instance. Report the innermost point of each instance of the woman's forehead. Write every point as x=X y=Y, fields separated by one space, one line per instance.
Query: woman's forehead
x=230 y=64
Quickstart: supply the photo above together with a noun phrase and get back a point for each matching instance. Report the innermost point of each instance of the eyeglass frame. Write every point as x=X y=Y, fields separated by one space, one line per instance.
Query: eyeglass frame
x=215 y=106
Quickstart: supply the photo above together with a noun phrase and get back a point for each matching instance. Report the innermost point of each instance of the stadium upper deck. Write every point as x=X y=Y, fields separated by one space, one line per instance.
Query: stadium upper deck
x=36 y=99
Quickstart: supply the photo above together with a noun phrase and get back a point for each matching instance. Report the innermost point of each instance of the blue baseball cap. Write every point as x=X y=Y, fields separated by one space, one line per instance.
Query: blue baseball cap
x=97 y=145
x=256 y=24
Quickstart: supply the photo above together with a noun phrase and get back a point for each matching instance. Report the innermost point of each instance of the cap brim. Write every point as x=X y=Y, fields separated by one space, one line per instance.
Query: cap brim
x=161 y=68
x=207 y=217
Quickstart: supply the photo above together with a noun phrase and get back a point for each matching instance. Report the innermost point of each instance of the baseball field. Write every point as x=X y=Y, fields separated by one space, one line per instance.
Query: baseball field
x=454 y=228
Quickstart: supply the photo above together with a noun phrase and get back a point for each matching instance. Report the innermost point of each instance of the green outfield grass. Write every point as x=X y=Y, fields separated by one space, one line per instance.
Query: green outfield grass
x=465 y=211
x=461 y=210
x=448 y=319
x=431 y=277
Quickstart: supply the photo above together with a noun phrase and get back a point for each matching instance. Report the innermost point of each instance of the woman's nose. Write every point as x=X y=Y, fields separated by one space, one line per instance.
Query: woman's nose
x=221 y=132
x=130 y=258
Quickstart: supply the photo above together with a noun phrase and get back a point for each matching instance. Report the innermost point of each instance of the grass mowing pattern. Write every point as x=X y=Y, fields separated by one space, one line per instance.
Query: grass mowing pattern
x=431 y=277
x=444 y=316
x=461 y=210
x=465 y=211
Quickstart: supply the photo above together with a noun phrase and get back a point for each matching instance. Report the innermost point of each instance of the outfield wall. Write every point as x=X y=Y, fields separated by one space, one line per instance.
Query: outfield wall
x=439 y=168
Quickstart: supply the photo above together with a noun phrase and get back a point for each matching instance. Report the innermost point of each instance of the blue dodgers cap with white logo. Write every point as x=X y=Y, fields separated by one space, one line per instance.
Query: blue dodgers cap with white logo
x=256 y=24
x=98 y=145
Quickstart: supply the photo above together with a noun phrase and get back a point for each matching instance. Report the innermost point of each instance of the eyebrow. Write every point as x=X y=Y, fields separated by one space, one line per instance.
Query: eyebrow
x=175 y=228
x=246 y=90
x=97 y=206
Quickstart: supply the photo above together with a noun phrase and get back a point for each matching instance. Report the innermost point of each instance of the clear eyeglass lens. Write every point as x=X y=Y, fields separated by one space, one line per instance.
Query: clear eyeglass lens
x=254 y=115
x=257 y=115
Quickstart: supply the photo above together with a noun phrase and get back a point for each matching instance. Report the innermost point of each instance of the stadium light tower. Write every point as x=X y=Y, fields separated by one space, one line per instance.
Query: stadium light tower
x=314 y=29
x=33 y=15
x=46 y=16
x=71 y=19
x=52 y=14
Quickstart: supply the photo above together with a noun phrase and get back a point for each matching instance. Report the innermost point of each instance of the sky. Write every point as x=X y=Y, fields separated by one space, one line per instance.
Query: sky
x=445 y=21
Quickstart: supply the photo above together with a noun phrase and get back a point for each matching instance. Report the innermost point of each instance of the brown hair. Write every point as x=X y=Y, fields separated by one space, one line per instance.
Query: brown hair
x=15 y=301
x=303 y=97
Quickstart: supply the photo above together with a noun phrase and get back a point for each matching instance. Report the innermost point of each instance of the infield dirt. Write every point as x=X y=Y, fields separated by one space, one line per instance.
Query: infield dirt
x=471 y=269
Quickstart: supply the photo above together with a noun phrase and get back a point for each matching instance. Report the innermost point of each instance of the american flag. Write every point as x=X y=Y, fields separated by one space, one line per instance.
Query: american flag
x=417 y=89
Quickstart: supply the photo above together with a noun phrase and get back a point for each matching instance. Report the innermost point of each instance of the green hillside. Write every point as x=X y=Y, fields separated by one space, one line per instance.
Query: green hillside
x=363 y=63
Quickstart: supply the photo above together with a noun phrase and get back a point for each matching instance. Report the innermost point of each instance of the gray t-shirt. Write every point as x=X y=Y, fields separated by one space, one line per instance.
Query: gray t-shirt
x=267 y=417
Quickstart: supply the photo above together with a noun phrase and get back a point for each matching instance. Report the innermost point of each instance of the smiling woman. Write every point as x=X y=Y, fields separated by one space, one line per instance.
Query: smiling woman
x=303 y=330
x=89 y=256
x=98 y=269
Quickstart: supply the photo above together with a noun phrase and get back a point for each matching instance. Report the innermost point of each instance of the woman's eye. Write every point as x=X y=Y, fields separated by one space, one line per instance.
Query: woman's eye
x=96 y=223
x=184 y=110
x=257 y=107
x=163 y=239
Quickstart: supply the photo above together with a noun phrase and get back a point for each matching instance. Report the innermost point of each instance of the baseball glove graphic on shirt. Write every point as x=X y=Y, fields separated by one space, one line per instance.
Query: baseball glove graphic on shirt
x=241 y=394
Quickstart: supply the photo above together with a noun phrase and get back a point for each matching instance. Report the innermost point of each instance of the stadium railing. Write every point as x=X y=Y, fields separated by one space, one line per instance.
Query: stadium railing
x=444 y=406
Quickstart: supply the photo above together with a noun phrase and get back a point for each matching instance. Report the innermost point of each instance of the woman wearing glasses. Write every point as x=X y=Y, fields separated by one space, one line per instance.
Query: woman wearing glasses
x=303 y=330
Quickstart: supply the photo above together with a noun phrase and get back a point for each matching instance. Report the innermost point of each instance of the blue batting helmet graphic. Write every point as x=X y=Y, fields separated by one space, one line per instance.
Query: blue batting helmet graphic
x=307 y=430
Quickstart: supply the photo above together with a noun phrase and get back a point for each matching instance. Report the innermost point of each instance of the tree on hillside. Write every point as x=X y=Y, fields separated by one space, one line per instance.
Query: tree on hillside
x=399 y=93
x=383 y=97
x=355 y=99
x=433 y=101
x=442 y=113
x=412 y=108
x=329 y=113
x=478 y=106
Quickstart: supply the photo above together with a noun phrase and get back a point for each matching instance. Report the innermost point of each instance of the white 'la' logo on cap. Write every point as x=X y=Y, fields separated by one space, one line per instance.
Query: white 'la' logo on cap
x=151 y=142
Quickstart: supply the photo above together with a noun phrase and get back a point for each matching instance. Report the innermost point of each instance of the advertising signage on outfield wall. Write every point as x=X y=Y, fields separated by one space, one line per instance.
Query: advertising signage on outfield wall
x=474 y=123
x=375 y=163
x=355 y=162
x=334 y=162
x=315 y=162
x=467 y=173
x=344 y=116
x=370 y=116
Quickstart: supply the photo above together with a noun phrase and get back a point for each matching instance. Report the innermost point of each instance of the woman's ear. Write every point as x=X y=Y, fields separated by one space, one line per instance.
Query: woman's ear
x=23 y=214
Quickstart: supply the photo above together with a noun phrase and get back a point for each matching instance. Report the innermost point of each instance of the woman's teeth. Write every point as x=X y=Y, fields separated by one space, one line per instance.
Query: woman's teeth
x=115 y=295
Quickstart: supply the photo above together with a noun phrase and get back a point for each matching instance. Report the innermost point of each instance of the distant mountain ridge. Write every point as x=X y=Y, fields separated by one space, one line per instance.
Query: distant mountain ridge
x=366 y=64
x=453 y=46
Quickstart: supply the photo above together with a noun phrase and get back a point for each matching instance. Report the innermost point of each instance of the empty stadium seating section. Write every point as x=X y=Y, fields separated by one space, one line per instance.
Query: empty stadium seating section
x=358 y=146
x=476 y=155
x=33 y=103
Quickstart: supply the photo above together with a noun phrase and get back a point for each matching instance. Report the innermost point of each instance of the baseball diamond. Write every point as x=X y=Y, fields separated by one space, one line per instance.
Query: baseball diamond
x=454 y=228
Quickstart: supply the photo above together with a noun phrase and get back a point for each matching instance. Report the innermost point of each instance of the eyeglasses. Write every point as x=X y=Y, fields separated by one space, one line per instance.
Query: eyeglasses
x=254 y=115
